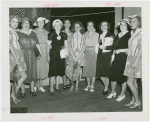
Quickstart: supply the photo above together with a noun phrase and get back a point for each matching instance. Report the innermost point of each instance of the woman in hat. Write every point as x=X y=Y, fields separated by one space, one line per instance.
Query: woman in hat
x=28 y=41
x=58 y=41
x=67 y=25
x=133 y=69
x=42 y=63
x=89 y=70
x=76 y=58
x=104 y=55
x=120 y=47
x=17 y=62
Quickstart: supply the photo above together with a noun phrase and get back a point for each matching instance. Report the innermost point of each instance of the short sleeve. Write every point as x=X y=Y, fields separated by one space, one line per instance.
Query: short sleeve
x=10 y=39
x=36 y=38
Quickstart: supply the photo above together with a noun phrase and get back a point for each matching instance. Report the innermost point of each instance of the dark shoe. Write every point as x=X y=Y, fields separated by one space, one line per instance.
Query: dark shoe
x=51 y=93
x=22 y=95
x=105 y=92
x=33 y=94
x=64 y=87
x=58 y=90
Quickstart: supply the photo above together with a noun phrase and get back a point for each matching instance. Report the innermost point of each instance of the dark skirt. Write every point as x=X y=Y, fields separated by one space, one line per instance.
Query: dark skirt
x=56 y=65
x=103 y=64
x=89 y=70
x=118 y=67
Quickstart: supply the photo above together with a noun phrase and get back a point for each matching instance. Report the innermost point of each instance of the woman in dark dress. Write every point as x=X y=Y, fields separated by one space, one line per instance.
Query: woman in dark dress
x=58 y=41
x=104 y=56
x=120 y=47
x=28 y=41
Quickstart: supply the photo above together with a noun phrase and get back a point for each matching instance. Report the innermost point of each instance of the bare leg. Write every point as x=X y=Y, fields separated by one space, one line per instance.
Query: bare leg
x=106 y=84
x=135 y=83
x=22 y=88
x=134 y=90
x=57 y=82
x=93 y=81
x=103 y=80
x=88 y=81
x=64 y=79
x=113 y=87
x=52 y=79
x=22 y=78
x=124 y=86
x=32 y=86
x=40 y=83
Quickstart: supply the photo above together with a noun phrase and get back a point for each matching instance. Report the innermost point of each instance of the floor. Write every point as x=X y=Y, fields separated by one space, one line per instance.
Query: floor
x=76 y=102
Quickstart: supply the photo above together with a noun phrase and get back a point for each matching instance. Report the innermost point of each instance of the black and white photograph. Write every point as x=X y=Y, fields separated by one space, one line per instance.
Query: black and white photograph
x=75 y=60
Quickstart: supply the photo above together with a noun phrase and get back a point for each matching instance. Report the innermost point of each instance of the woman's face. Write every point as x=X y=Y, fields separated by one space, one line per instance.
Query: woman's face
x=104 y=26
x=123 y=26
x=67 y=24
x=14 y=23
x=57 y=26
x=134 y=23
x=40 y=24
x=77 y=27
x=90 y=26
x=25 y=25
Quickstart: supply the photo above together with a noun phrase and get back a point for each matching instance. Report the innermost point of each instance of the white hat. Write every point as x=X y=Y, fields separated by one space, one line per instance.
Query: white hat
x=40 y=19
x=133 y=16
x=124 y=20
x=57 y=20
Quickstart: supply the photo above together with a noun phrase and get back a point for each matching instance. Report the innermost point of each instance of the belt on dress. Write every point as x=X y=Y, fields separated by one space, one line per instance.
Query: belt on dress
x=121 y=51
x=43 y=44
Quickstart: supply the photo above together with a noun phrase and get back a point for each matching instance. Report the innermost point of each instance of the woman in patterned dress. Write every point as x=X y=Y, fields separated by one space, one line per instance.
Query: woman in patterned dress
x=58 y=41
x=67 y=25
x=76 y=58
x=120 y=47
x=89 y=70
x=17 y=61
x=104 y=56
x=28 y=41
x=133 y=69
x=42 y=63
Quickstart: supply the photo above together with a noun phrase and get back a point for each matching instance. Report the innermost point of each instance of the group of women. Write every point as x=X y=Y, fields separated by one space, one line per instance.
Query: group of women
x=37 y=54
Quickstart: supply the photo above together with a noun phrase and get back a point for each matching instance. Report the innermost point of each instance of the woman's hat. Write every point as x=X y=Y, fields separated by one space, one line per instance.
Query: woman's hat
x=124 y=20
x=57 y=20
x=41 y=19
x=133 y=16
x=14 y=16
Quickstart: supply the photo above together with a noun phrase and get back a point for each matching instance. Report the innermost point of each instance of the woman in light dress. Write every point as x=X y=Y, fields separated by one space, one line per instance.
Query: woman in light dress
x=76 y=58
x=133 y=69
x=42 y=63
x=17 y=62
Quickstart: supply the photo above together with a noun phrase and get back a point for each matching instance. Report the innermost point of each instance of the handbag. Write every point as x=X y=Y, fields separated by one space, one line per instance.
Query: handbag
x=37 y=52
x=64 y=53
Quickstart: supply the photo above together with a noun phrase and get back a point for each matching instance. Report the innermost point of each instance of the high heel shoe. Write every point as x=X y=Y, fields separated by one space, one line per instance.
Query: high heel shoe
x=91 y=89
x=105 y=92
x=87 y=88
x=51 y=93
x=77 y=89
x=120 y=98
x=64 y=87
x=71 y=89
x=13 y=99
x=135 y=105
x=58 y=90
x=33 y=94
x=130 y=103
x=22 y=95
x=68 y=86
x=111 y=95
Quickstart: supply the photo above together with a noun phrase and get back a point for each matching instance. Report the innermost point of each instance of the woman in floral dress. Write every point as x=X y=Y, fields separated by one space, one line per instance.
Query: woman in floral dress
x=76 y=58
x=42 y=63
x=133 y=69
x=17 y=62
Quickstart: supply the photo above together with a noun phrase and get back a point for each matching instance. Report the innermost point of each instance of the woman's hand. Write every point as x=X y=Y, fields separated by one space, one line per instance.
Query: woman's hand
x=102 y=47
x=39 y=57
x=17 y=61
x=134 y=65
x=50 y=46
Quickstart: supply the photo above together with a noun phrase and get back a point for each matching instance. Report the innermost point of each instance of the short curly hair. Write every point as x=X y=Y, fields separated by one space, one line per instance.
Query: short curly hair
x=82 y=28
x=108 y=25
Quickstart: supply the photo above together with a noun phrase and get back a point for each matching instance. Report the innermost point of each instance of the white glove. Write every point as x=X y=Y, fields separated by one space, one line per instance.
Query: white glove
x=96 y=48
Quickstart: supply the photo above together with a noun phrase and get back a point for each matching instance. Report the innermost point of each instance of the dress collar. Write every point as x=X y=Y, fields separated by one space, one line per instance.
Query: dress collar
x=122 y=34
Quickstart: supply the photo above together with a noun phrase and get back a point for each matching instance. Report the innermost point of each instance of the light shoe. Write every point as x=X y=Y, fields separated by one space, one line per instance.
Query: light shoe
x=42 y=89
x=130 y=103
x=87 y=88
x=35 y=88
x=135 y=105
x=92 y=89
x=111 y=95
x=120 y=98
